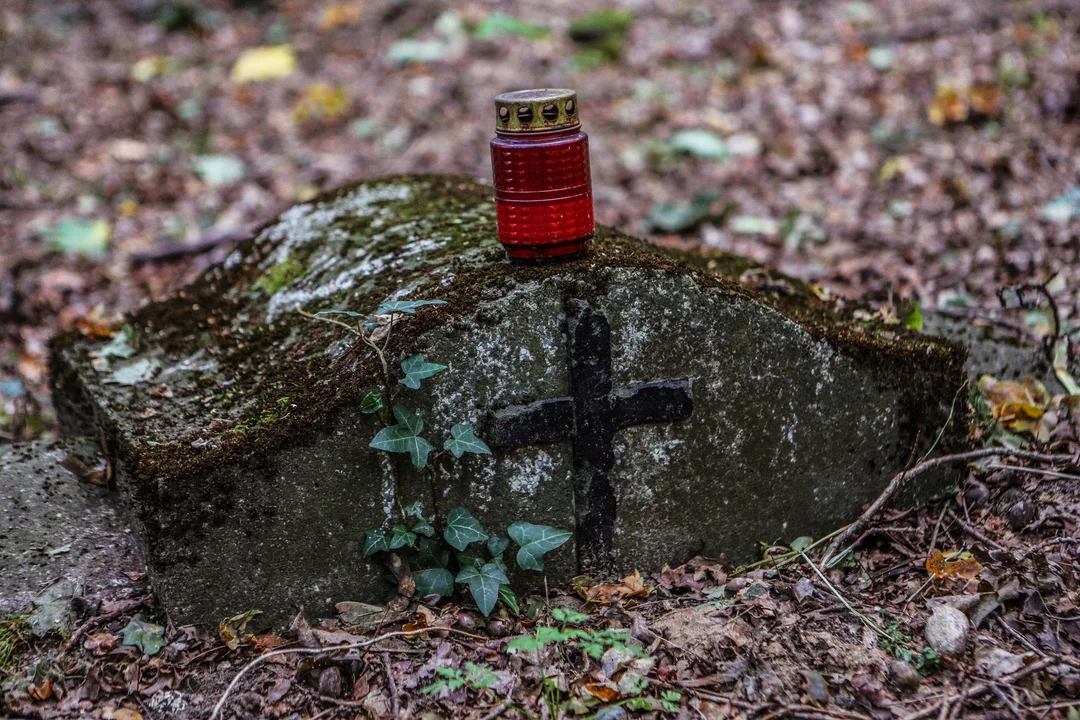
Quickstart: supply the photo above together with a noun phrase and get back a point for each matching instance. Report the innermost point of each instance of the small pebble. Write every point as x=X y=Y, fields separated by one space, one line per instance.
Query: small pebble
x=976 y=494
x=330 y=682
x=904 y=677
x=947 y=631
x=1021 y=515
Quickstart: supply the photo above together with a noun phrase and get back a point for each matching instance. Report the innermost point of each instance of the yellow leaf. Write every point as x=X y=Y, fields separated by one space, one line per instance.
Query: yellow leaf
x=955 y=565
x=322 y=103
x=264 y=63
x=340 y=13
x=150 y=67
x=949 y=106
x=1018 y=406
x=232 y=629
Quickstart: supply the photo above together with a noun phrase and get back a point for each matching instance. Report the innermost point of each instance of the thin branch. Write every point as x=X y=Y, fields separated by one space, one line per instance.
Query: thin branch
x=324 y=651
x=975 y=533
x=922 y=468
x=984 y=688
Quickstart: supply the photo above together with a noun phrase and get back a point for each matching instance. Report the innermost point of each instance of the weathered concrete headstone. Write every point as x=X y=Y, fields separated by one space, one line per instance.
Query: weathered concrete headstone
x=647 y=400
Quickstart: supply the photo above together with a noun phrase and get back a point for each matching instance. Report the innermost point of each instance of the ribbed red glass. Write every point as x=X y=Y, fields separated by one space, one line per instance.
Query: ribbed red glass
x=543 y=193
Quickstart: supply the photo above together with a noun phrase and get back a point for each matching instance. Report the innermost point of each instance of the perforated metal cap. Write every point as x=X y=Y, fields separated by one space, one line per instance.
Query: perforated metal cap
x=536 y=110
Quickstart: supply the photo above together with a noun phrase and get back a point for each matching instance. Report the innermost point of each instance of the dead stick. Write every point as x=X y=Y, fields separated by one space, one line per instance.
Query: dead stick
x=104 y=618
x=927 y=465
x=982 y=689
x=395 y=701
x=975 y=533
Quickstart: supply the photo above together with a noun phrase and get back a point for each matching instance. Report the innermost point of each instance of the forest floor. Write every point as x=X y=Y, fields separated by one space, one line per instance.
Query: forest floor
x=915 y=151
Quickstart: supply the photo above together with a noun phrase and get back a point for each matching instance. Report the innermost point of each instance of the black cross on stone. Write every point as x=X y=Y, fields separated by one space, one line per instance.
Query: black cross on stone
x=590 y=418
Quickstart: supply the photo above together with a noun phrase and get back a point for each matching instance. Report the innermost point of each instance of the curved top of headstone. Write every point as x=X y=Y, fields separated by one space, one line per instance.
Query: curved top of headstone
x=228 y=363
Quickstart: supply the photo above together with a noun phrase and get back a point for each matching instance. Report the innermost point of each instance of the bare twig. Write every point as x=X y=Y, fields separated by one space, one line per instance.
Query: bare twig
x=1035 y=471
x=984 y=688
x=175 y=251
x=901 y=478
x=104 y=618
x=323 y=651
x=391 y=684
x=975 y=533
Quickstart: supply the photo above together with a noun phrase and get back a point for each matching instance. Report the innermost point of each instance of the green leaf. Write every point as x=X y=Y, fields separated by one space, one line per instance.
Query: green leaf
x=463 y=440
x=405 y=437
x=700 y=143
x=497 y=545
x=347 y=313
x=752 y=225
x=467 y=558
x=409 y=50
x=375 y=541
x=416 y=510
x=416 y=369
x=674 y=218
x=462 y=529
x=82 y=237
x=423 y=527
x=914 y=319
x=148 y=637
x=568 y=616
x=497 y=24
x=802 y=543
x=119 y=346
x=509 y=599
x=400 y=537
x=372 y=403
x=483 y=583
x=434 y=581
x=135 y=372
x=536 y=541
x=405 y=306
x=430 y=554
x=1064 y=208
x=219 y=170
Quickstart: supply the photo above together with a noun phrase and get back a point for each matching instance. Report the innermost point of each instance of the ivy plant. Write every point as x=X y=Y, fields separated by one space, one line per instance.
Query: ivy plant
x=463 y=555
x=403 y=436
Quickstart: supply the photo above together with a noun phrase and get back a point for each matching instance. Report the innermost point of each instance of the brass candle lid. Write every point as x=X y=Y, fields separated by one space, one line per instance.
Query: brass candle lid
x=542 y=110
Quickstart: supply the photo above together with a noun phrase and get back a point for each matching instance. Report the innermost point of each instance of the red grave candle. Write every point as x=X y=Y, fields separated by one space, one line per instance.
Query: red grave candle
x=540 y=166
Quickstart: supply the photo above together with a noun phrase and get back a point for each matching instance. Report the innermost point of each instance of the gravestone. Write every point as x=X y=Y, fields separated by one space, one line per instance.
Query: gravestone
x=650 y=401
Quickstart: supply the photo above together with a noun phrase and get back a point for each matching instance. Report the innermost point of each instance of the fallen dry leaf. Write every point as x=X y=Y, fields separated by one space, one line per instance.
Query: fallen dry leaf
x=954 y=565
x=1018 y=406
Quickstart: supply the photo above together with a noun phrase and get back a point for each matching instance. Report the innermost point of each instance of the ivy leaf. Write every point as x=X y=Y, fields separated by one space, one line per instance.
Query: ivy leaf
x=536 y=541
x=468 y=558
x=400 y=537
x=434 y=581
x=416 y=510
x=82 y=237
x=416 y=369
x=431 y=554
x=506 y=594
x=700 y=143
x=372 y=403
x=462 y=529
x=423 y=527
x=375 y=541
x=497 y=545
x=405 y=306
x=484 y=583
x=405 y=437
x=463 y=440
x=148 y=637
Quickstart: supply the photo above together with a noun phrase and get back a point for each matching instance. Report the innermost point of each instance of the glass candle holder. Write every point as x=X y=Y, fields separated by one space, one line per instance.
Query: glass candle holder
x=540 y=167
